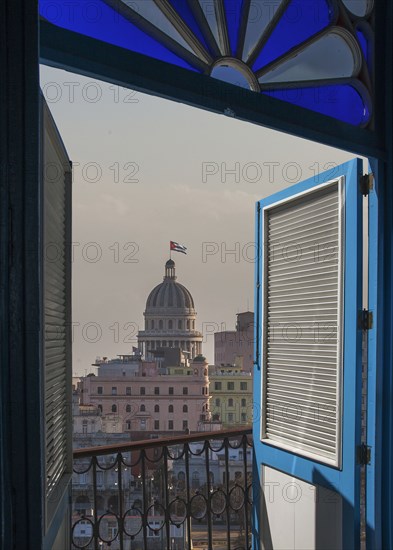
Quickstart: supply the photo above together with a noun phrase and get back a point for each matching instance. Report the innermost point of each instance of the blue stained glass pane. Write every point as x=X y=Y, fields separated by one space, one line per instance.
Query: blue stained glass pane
x=182 y=8
x=364 y=45
x=340 y=101
x=233 y=10
x=301 y=20
x=97 y=20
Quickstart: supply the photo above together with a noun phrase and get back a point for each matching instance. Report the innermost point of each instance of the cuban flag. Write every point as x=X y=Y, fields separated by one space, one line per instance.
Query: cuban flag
x=178 y=247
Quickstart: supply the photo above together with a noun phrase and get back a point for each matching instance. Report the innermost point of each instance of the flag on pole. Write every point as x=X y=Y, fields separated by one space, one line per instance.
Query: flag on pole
x=176 y=247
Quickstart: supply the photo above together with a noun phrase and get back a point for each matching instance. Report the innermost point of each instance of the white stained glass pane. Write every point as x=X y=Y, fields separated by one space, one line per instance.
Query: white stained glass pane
x=209 y=10
x=334 y=55
x=231 y=75
x=152 y=13
x=360 y=8
x=260 y=15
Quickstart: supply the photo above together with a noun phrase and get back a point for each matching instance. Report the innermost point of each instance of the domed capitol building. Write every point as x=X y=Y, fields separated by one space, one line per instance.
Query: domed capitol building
x=170 y=318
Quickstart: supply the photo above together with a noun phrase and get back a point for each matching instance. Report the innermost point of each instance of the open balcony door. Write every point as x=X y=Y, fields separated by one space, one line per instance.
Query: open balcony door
x=308 y=381
x=56 y=345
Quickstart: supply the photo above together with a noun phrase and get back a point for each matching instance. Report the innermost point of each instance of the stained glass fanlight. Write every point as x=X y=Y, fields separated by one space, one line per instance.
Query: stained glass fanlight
x=315 y=54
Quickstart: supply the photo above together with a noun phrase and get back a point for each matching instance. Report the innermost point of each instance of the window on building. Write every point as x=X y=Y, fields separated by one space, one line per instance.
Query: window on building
x=170 y=424
x=156 y=424
x=143 y=424
x=160 y=324
x=114 y=390
x=185 y=424
x=185 y=409
x=230 y=417
x=128 y=390
x=152 y=324
x=142 y=390
x=230 y=385
x=170 y=324
x=244 y=403
x=244 y=417
x=195 y=480
x=128 y=425
x=170 y=391
x=185 y=391
x=99 y=390
x=170 y=408
x=142 y=408
x=100 y=408
x=230 y=402
x=179 y=325
x=156 y=390
x=218 y=402
x=188 y=324
x=114 y=408
x=156 y=408
x=100 y=478
x=217 y=386
x=243 y=386
x=128 y=408
x=84 y=427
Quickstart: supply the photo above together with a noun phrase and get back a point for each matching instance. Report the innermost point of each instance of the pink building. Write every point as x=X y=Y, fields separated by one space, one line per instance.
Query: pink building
x=236 y=347
x=151 y=396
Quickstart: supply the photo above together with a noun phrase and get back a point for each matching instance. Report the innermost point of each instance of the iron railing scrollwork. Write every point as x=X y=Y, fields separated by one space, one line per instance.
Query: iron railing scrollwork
x=185 y=492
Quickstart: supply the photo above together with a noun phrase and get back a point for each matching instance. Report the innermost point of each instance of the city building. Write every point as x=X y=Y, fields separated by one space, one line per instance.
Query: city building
x=170 y=318
x=151 y=397
x=231 y=395
x=236 y=347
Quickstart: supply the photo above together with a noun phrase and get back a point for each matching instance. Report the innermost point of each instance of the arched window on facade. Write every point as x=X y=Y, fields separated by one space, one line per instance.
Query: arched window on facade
x=152 y=324
x=114 y=408
x=188 y=324
x=170 y=324
x=156 y=408
x=128 y=425
x=230 y=402
x=195 y=480
x=185 y=409
x=142 y=408
x=180 y=324
x=100 y=408
x=161 y=324
x=128 y=408
x=170 y=408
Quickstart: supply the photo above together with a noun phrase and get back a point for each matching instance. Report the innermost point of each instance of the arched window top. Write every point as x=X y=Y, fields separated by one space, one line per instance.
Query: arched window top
x=142 y=408
x=280 y=52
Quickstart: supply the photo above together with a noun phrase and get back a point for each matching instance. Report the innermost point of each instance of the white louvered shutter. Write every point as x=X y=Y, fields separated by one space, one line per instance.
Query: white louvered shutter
x=302 y=314
x=57 y=310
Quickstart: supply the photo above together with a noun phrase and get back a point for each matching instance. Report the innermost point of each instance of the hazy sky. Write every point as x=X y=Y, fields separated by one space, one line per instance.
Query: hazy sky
x=147 y=171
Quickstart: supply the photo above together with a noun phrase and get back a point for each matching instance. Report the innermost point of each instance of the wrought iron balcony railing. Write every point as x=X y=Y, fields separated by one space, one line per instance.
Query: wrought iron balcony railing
x=178 y=493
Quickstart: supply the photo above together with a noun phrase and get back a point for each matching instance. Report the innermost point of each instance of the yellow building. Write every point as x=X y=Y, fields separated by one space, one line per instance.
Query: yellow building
x=231 y=395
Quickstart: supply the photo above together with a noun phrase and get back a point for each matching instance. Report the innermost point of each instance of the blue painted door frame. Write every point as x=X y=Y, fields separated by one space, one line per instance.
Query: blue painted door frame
x=344 y=480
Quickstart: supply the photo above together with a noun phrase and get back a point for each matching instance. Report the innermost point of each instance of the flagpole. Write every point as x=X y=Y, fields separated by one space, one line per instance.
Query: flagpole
x=170 y=251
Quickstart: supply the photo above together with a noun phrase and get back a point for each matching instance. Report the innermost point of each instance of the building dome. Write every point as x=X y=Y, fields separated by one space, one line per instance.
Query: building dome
x=170 y=318
x=169 y=294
